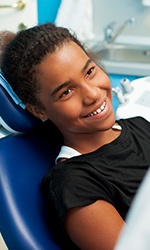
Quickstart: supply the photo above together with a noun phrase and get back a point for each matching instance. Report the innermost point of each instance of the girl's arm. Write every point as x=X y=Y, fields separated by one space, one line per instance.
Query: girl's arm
x=96 y=226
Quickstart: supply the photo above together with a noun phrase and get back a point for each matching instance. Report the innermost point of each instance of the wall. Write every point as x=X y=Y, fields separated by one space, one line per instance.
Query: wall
x=106 y=11
x=11 y=18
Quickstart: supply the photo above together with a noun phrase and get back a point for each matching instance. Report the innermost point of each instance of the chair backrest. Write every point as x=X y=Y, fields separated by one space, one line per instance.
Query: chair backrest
x=24 y=159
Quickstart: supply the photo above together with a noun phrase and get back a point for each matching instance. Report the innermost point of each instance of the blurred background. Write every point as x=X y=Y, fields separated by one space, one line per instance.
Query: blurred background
x=117 y=31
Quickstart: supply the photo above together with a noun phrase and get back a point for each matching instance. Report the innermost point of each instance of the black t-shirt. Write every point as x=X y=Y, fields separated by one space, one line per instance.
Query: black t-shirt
x=111 y=173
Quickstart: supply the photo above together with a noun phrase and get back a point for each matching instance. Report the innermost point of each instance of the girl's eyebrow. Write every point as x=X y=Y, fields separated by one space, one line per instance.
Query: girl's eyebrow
x=65 y=84
x=56 y=90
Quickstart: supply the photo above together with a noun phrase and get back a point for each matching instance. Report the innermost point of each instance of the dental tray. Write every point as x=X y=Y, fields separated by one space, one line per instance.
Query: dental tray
x=137 y=101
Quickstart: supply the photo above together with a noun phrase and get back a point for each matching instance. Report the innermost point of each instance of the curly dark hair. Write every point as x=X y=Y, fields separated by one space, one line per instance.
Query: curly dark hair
x=26 y=50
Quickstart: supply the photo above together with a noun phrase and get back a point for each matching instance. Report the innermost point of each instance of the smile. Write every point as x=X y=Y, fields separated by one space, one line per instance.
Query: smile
x=99 y=110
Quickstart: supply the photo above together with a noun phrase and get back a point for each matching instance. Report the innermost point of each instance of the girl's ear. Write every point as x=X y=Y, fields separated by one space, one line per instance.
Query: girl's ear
x=37 y=112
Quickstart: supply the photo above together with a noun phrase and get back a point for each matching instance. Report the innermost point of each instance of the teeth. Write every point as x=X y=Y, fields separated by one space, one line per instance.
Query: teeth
x=99 y=110
x=102 y=107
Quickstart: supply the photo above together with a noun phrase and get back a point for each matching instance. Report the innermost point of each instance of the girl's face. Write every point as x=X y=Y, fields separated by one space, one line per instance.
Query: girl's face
x=75 y=92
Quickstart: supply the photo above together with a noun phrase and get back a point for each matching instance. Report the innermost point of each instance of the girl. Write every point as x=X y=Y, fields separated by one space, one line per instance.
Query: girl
x=102 y=161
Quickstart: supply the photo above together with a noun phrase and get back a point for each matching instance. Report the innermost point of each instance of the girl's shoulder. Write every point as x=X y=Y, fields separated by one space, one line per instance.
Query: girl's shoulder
x=135 y=122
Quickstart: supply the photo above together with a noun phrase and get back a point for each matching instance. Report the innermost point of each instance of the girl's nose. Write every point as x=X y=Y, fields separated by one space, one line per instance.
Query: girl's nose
x=91 y=93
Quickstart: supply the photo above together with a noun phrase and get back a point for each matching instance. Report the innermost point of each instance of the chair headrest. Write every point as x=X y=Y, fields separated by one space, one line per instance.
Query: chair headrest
x=13 y=113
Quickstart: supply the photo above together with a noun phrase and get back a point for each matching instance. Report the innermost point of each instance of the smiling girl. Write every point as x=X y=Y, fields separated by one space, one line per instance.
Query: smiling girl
x=102 y=161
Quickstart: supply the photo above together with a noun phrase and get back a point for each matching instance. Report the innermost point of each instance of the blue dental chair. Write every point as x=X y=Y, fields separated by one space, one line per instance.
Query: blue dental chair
x=25 y=156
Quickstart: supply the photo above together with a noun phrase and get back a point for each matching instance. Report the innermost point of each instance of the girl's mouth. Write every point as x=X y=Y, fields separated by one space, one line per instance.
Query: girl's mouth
x=99 y=110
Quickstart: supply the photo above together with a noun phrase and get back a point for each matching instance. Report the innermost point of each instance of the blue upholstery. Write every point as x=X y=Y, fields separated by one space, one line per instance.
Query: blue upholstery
x=24 y=159
x=13 y=115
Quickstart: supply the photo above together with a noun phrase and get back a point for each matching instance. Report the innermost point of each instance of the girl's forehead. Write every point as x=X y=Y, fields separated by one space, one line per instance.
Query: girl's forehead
x=64 y=59
x=63 y=65
x=68 y=51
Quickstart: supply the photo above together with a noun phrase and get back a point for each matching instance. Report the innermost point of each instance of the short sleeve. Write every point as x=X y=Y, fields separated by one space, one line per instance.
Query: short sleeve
x=78 y=184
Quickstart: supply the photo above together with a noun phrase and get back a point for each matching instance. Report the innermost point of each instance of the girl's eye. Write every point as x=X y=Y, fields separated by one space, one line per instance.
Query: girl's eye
x=66 y=92
x=90 y=71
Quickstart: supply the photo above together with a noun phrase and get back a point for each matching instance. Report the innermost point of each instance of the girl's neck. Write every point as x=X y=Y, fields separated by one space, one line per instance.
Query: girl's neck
x=88 y=143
